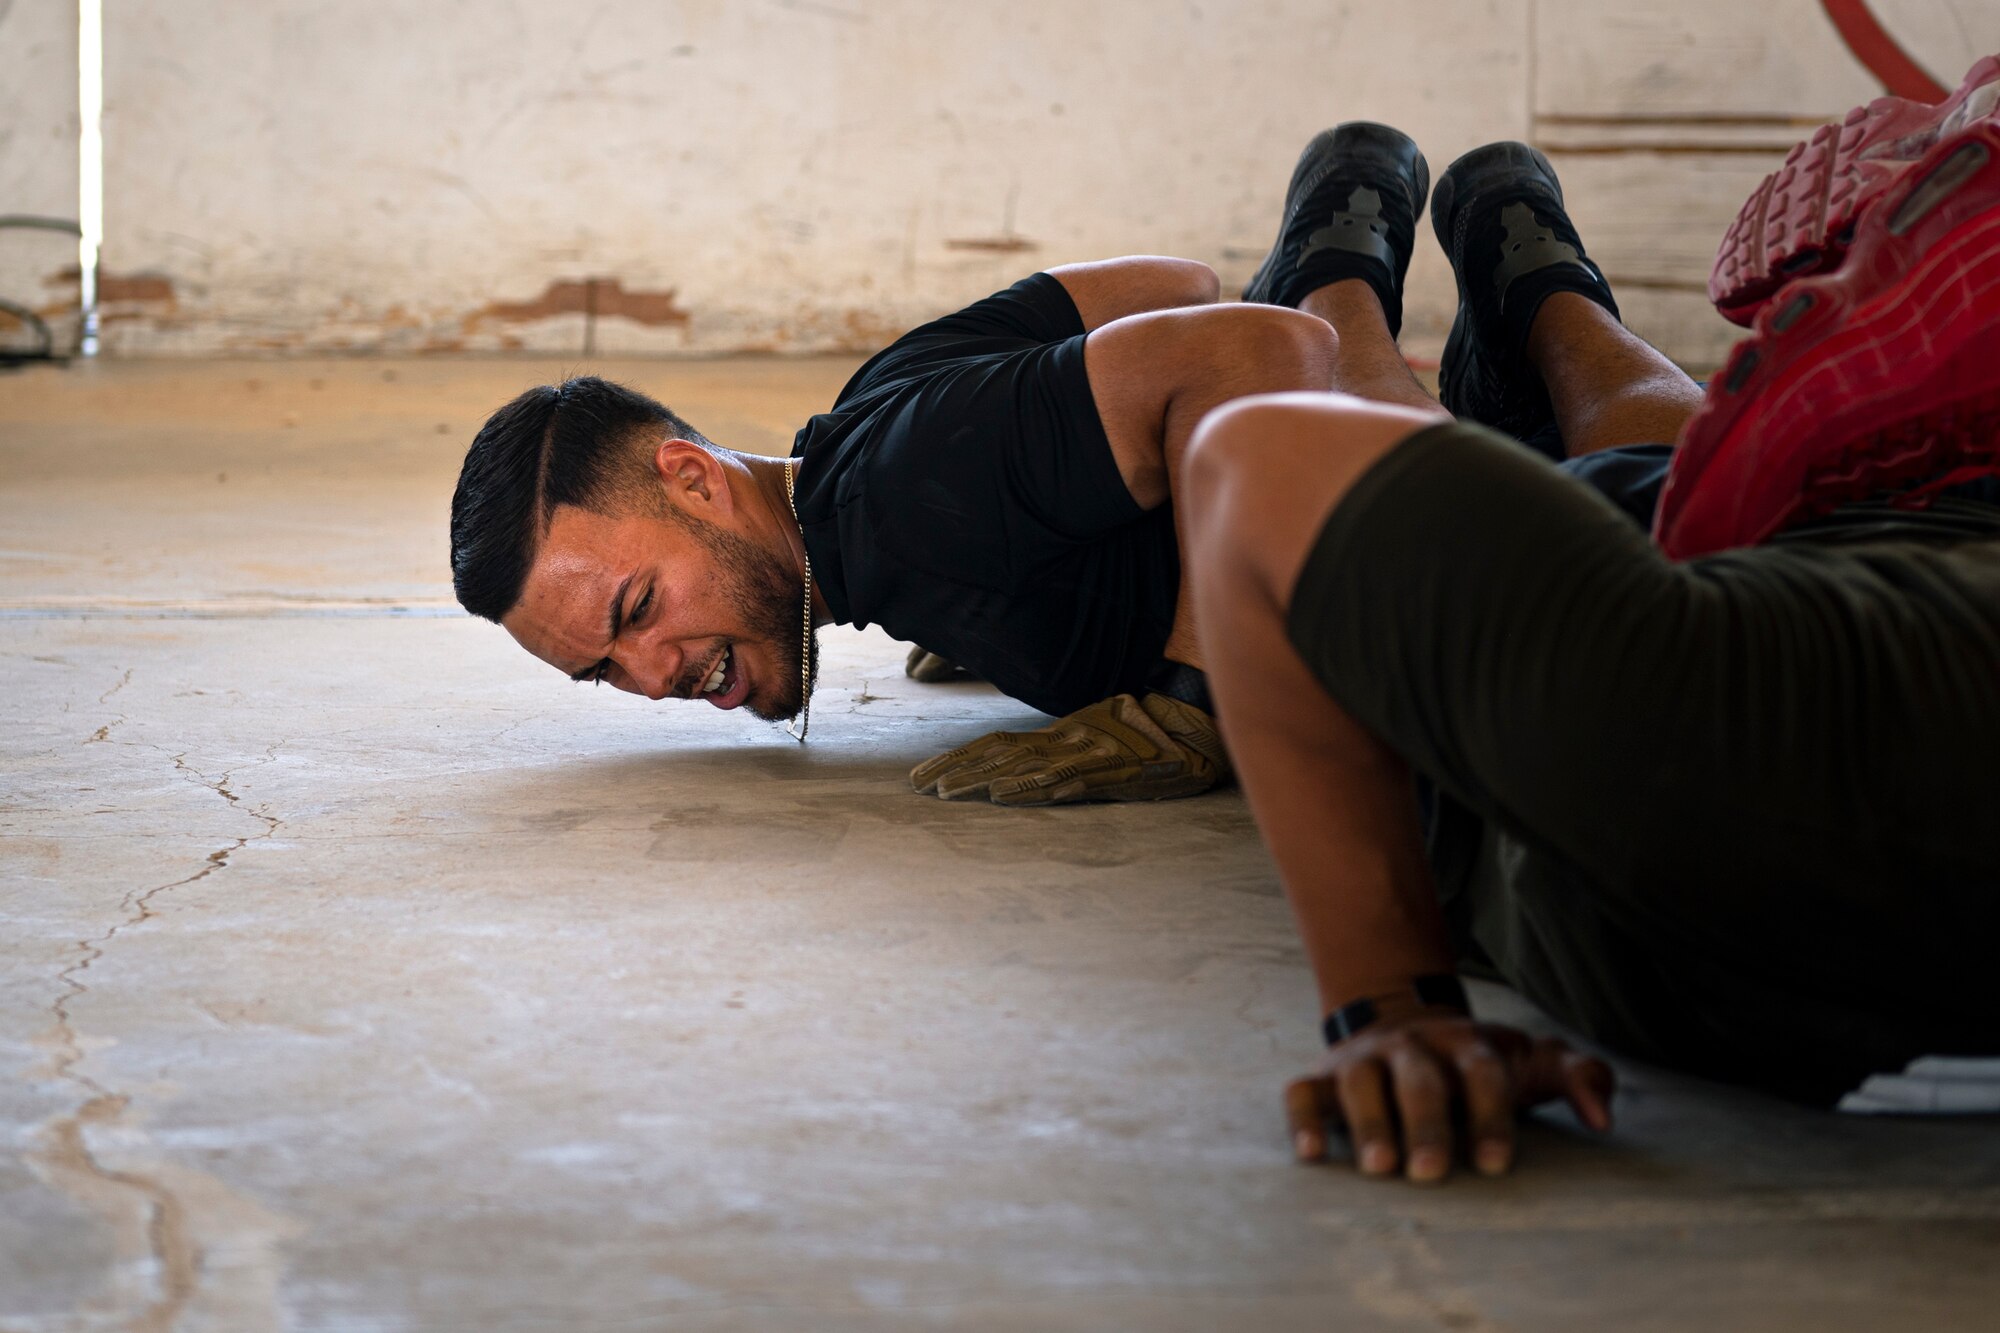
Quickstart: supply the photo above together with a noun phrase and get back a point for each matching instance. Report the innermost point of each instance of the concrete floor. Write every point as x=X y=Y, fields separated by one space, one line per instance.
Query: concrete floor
x=359 y=973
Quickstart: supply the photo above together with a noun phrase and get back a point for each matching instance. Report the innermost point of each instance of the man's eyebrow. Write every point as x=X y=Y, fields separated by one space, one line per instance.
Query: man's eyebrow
x=613 y=620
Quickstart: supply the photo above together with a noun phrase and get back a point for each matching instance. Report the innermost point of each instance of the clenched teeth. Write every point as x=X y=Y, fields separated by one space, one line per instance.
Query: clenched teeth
x=714 y=681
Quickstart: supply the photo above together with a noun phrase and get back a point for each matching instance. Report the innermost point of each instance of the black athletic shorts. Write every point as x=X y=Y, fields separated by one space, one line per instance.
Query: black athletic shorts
x=1736 y=815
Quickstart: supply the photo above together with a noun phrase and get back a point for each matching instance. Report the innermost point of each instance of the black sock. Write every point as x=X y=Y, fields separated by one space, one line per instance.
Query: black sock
x=1325 y=270
x=1525 y=296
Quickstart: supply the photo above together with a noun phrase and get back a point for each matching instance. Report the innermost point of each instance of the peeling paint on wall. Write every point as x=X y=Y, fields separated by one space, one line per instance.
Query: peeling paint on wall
x=590 y=297
x=593 y=298
x=137 y=298
x=140 y=287
x=711 y=178
x=992 y=245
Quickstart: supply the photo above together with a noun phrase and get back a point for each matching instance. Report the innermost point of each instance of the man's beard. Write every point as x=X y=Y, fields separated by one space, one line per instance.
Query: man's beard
x=771 y=600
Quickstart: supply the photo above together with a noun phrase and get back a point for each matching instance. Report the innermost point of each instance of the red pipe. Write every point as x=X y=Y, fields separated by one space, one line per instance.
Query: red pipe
x=1874 y=47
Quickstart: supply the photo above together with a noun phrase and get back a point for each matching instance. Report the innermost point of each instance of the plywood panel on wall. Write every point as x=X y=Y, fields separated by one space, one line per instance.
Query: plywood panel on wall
x=1662 y=119
x=1694 y=58
x=1943 y=36
x=1652 y=221
x=38 y=161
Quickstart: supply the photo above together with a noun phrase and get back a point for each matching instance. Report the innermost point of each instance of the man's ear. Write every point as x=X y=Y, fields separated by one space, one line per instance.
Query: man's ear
x=693 y=477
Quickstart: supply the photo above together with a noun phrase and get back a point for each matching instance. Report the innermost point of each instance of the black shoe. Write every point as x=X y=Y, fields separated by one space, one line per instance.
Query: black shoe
x=1499 y=215
x=1351 y=212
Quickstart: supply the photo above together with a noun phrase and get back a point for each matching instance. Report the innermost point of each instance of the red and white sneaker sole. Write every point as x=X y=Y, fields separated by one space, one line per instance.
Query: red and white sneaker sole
x=1798 y=222
x=1882 y=375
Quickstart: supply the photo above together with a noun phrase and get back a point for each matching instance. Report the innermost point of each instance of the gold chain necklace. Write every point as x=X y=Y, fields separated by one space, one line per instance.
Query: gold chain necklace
x=805 y=639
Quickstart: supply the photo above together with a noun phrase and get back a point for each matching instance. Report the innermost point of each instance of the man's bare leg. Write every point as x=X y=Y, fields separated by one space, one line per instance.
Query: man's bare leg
x=1155 y=376
x=1609 y=386
x=1249 y=350
x=1367 y=363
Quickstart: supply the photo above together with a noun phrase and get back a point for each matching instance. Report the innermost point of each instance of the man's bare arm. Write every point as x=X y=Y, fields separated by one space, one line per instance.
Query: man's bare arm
x=1337 y=807
x=1152 y=375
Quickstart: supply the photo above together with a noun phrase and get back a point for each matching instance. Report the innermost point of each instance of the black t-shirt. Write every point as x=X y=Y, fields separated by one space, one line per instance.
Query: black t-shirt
x=961 y=494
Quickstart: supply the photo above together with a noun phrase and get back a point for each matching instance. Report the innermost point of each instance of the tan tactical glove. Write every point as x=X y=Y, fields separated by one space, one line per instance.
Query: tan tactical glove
x=926 y=666
x=1123 y=749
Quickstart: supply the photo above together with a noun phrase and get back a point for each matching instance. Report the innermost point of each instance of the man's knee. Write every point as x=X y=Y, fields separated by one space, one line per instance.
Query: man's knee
x=1231 y=349
x=1153 y=376
x=1275 y=347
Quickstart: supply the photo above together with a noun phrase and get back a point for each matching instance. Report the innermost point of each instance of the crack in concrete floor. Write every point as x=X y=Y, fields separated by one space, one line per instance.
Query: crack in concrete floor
x=65 y=1157
x=542 y=1012
x=103 y=733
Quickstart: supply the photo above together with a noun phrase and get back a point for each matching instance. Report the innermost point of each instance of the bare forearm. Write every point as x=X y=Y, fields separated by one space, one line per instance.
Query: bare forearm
x=1367 y=910
x=1337 y=808
x=1338 y=811
x=1335 y=804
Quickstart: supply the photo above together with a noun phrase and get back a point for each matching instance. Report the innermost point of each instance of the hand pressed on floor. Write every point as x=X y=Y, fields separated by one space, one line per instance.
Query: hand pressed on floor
x=1398 y=1086
x=1122 y=749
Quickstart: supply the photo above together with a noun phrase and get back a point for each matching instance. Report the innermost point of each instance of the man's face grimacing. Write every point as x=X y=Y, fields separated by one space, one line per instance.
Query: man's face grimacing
x=668 y=597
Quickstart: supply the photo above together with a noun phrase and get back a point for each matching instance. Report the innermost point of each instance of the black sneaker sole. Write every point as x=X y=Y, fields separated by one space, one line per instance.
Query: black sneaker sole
x=1491 y=384
x=1328 y=152
x=1498 y=166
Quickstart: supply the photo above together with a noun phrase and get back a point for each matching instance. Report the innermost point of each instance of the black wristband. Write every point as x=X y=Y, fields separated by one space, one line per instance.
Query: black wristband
x=1180 y=681
x=1442 y=991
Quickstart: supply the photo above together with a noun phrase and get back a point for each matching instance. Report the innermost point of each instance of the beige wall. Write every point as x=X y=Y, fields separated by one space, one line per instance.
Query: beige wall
x=38 y=161
x=715 y=175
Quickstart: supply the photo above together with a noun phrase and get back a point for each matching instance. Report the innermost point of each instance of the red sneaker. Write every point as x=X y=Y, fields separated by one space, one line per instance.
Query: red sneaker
x=1879 y=376
x=1801 y=219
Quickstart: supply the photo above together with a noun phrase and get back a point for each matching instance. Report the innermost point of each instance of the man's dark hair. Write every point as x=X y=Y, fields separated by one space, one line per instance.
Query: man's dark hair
x=583 y=442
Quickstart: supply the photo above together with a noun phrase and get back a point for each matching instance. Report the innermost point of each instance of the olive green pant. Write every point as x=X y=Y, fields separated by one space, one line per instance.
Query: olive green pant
x=1739 y=815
